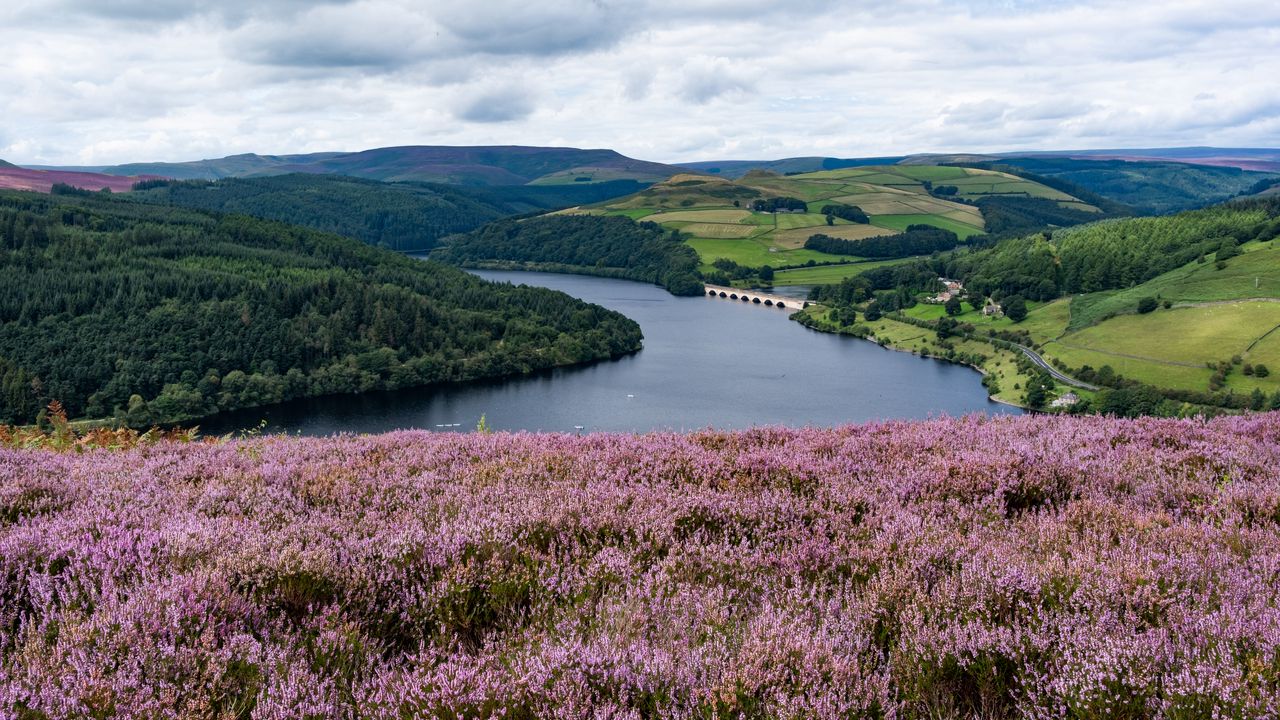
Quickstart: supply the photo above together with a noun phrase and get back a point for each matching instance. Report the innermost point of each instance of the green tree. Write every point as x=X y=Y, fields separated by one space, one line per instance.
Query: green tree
x=953 y=306
x=1257 y=401
x=1015 y=308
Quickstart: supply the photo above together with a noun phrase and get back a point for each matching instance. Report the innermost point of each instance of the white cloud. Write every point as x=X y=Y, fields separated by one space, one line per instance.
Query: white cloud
x=105 y=81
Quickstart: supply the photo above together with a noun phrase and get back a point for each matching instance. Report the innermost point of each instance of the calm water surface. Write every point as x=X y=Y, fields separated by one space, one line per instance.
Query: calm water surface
x=705 y=363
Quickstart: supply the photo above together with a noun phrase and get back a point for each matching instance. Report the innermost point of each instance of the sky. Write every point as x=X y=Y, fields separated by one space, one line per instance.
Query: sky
x=95 y=82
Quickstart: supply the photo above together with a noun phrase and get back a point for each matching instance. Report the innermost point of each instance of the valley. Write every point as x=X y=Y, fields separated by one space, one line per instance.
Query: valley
x=716 y=213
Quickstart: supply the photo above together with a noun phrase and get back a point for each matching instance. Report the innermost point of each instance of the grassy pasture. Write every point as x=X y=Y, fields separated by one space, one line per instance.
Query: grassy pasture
x=1254 y=274
x=1044 y=320
x=796 y=237
x=892 y=195
x=1188 y=335
x=720 y=230
x=829 y=274
x=901 y=222
x=723 y=215
x=756 y=252
x=791 y=221
x=1178 y=377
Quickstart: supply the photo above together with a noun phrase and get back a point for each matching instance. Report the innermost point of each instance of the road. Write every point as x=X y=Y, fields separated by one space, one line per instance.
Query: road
x=1064 y=379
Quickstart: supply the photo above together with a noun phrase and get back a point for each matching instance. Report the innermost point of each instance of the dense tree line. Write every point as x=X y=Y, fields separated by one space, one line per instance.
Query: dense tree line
x=892 y=287
x=400 y=216
x=852 y=213
x=1005 y=214
x=727 y=271
x=616 y=246
x=156 y=313
x=916 y=240
x=777 y=204
x=1115 y=254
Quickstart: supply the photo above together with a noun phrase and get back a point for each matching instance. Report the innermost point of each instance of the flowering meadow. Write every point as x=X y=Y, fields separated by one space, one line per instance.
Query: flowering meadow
x=978 y=567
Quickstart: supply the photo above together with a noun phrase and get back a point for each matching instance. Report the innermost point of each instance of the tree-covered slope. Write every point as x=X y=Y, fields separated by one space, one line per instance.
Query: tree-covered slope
x=613 y=246
x=402 y=216
x=1150 y=186
x=1114 y=254
x=159 y=313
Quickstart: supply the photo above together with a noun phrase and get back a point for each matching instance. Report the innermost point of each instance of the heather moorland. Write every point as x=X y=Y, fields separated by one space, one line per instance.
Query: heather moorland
x=975 y=567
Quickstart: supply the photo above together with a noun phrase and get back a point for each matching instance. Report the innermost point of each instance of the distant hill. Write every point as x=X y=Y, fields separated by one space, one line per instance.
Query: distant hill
x=1152 y=186
x=399 y=216
x=1261 y=159
x=735 y=169
x=13 y=177
x=478 y=165
x=732 y=226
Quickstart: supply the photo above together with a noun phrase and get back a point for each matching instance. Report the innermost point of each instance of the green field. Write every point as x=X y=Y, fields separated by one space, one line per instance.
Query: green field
x=1170 y=347
x=1044 y=320
x=714 y=210
x=828 y=274
x=1254 y=274
x=1159 y=374
x=901 y=222
x=1193 y=335
x=755 y=252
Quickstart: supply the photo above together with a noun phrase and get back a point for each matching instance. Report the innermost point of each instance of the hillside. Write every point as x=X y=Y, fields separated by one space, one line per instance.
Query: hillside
x=399 y=216
x=150 y=314
x=610 y=246
x=715 y=213
x=1152 y=186
x=1261 y=159
x=734 y=169
x=13 y=177
x=955 y=568
x=1186 y=303
x=479 y=165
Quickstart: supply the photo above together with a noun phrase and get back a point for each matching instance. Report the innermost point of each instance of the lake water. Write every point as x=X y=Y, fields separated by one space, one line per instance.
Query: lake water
x=705 y=363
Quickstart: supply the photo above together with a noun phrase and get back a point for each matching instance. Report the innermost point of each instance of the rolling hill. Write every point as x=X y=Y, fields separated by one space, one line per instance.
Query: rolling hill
x=735 y=169
x=13 y=177
x=1151 y=186
x=1262 y=159
x=715 y=213
x=1188 y=303
x=146 y=313
x=478 y=165
x=406 y=217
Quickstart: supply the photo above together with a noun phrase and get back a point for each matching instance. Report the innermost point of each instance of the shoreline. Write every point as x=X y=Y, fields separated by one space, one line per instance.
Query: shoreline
x=888 y=344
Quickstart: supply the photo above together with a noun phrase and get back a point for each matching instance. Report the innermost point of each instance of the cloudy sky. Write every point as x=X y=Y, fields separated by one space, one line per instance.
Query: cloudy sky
x=108 y=81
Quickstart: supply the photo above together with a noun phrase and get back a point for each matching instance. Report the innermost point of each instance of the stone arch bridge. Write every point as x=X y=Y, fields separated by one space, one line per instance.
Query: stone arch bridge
x=754 y=297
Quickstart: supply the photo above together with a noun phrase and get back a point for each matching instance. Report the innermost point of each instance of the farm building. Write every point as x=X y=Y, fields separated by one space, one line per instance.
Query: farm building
x=1065 y=401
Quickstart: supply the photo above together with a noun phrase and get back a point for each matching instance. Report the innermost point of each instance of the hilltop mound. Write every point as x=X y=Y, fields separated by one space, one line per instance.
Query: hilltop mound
x=993 y=568
x=463 y=165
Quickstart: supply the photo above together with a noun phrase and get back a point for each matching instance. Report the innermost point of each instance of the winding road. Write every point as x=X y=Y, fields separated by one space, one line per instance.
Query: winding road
x=1053 y=371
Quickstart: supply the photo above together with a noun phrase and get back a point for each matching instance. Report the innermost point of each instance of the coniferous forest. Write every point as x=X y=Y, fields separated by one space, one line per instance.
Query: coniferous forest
x=405 y=216
x=612 y=246
x=153 y=314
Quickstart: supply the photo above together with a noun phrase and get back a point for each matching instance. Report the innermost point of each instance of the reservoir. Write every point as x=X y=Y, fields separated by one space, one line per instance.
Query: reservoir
x=706 y=362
